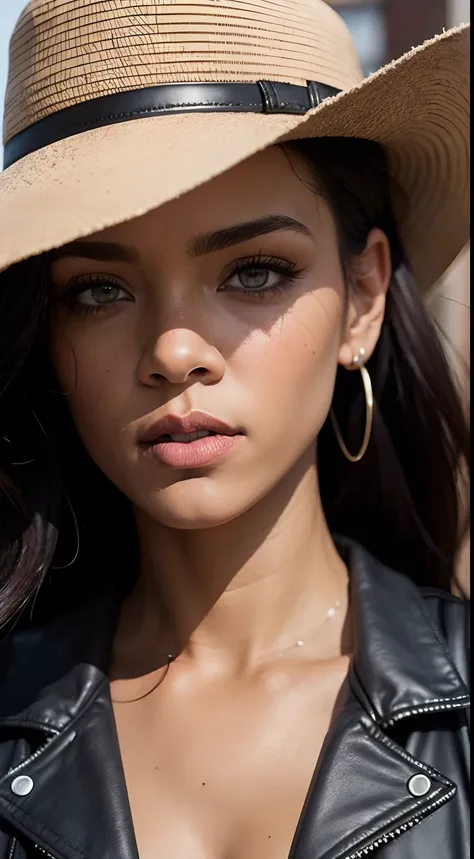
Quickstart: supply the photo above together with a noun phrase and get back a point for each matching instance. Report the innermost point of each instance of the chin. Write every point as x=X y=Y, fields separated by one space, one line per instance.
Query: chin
x=191 y=505
x=182 y=522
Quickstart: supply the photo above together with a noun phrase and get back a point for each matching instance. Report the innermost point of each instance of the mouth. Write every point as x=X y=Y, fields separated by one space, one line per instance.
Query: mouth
x=185 y=429
x=191 y=441
x=185 y=438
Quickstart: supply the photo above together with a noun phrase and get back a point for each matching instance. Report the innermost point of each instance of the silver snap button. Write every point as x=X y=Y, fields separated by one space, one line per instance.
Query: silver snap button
x=22 y=786
x=419 y=785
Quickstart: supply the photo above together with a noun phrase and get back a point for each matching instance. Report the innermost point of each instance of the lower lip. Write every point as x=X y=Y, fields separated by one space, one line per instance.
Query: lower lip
x=194 y=454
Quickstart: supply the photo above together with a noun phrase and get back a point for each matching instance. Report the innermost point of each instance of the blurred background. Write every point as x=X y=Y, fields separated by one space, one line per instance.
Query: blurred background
x=382 y=30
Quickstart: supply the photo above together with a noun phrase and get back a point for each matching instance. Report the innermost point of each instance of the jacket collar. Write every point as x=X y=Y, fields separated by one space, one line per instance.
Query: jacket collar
x=399 y=662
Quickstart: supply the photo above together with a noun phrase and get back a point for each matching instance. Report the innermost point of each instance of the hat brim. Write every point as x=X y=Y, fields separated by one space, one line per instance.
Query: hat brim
x=417 y=108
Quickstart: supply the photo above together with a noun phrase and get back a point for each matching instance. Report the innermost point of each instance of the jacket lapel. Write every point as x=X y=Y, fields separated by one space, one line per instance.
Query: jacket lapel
x=78 y=808
x=359 y=797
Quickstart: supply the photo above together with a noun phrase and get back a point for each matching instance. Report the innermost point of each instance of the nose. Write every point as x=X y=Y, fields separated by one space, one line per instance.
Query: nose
x=179 y=356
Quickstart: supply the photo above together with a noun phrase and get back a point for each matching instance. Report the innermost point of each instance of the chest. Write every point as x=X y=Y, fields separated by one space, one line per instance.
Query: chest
x=224 y=774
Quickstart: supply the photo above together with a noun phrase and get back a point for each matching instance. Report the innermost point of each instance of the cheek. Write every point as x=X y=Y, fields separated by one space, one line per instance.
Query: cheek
x=290 y=369
x=92 y=371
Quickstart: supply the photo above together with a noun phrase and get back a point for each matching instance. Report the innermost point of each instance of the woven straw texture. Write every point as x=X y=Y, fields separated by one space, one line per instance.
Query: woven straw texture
x=63 y=53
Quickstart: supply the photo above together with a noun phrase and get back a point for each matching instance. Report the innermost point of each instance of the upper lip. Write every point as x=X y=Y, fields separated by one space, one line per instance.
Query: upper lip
x=192 y=422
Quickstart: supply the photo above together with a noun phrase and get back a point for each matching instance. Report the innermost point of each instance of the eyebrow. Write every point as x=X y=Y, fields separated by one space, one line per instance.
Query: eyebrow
x=101 y=251
x=230 y=236
x=197 y=247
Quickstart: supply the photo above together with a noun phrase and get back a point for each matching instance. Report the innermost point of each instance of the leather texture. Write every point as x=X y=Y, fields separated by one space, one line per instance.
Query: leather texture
x=405 y=713
x=260 y=97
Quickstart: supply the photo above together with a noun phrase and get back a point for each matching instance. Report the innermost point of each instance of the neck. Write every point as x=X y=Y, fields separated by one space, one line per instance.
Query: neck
x=234 y=595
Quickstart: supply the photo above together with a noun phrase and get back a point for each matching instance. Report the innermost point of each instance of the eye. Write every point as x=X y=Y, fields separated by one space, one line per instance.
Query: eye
x=102 y=294
x=93 y=294
x=255 y=279
x=261 y=276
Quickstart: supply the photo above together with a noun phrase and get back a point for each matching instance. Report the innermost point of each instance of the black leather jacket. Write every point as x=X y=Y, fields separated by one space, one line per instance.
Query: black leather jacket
x=405 y=715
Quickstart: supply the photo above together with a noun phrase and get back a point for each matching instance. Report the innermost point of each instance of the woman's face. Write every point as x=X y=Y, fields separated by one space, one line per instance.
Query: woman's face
x=229 y=301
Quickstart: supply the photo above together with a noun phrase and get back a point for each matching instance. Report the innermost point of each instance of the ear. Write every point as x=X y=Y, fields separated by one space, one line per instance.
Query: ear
x=370 y=278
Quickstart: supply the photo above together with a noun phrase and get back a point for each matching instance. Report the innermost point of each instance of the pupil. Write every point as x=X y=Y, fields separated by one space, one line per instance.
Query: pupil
x=103 y=294
x=256 y=277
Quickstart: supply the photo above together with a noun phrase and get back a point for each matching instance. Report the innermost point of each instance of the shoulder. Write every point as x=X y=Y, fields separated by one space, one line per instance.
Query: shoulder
x=450 y=617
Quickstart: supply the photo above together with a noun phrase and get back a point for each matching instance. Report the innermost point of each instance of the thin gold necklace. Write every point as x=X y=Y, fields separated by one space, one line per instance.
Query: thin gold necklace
x=329 y=616
x=331 y=613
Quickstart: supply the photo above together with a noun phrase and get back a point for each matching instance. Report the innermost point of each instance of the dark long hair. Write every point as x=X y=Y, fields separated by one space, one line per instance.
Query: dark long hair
x=401 y=501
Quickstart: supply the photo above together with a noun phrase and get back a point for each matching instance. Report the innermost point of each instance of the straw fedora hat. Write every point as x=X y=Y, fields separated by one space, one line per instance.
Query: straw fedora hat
x=114 y=108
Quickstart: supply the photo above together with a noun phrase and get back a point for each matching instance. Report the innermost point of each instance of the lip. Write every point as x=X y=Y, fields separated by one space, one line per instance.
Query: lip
x=192 y=422
x=195 y=454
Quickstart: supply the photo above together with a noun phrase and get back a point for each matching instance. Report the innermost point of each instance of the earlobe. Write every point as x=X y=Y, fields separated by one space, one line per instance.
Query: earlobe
x=346 y=354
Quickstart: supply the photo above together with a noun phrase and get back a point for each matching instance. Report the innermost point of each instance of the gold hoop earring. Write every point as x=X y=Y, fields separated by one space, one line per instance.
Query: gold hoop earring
x=369 y=412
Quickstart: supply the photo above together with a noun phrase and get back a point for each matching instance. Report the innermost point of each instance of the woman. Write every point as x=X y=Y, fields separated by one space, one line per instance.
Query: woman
x=228 y=562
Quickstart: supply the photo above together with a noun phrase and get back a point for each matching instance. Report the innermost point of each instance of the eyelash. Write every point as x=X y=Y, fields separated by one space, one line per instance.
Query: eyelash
x=81 y=284
x=288 y=271
x=285 y=268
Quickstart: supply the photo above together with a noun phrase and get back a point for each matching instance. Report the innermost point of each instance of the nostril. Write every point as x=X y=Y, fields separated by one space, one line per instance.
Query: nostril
x=200 y=372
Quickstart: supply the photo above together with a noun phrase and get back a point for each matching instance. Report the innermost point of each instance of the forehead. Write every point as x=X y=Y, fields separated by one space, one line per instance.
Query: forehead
x=273 y=181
